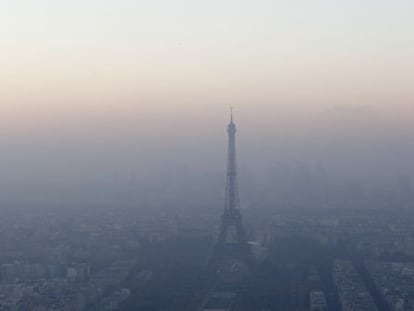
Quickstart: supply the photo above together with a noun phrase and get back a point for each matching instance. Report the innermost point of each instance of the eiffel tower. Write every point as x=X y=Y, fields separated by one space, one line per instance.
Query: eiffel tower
x=232 y=243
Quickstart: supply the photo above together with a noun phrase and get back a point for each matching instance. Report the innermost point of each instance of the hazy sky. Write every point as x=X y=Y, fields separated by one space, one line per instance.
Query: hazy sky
x=308 y=51
x=90 y=89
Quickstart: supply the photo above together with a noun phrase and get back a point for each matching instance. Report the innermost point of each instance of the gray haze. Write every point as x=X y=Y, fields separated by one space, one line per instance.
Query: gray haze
x=120 y=156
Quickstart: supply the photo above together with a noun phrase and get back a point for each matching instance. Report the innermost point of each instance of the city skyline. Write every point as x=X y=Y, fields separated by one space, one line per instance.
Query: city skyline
x=115 y=121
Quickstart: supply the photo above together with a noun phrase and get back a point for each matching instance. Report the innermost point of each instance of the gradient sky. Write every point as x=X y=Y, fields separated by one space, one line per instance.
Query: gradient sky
x=95 y=49
x=89 y=89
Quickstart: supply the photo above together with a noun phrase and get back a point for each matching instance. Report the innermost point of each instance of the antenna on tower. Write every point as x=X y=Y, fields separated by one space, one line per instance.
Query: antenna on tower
x=231 y=114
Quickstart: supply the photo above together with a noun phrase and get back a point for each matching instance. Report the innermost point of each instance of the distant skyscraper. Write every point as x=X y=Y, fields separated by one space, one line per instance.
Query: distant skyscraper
x=232 y=242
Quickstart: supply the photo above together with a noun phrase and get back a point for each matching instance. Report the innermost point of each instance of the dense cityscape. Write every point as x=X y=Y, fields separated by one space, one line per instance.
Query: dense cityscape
x=271 y=258
x=119 y=260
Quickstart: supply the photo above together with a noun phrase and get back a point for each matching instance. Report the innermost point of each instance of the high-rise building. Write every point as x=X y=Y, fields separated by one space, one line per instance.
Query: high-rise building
x=232 y=243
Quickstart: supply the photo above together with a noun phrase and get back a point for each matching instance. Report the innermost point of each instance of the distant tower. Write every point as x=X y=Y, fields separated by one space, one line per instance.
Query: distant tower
x=232 y=242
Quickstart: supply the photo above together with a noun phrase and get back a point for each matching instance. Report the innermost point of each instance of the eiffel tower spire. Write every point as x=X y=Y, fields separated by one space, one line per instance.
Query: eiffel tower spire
x=232 y=242
x=232 y=192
